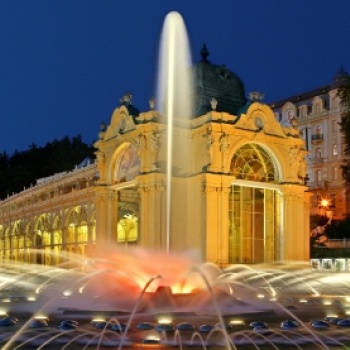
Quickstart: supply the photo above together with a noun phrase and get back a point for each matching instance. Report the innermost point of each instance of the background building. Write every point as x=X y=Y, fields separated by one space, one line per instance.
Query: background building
x=317 y=114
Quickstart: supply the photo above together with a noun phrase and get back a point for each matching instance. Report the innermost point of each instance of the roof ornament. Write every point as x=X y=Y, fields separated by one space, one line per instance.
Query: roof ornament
x=213 y=103
x=204 y=53
x=294 y=122
x=126 y=99
x=256 y=96
x=152 y=103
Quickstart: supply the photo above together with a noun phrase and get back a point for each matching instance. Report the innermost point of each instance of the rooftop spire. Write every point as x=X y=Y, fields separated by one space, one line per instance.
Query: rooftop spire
x=204 y=53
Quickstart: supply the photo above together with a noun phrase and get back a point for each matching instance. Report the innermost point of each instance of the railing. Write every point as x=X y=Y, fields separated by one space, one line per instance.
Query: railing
x=314 y=160
x=336 y=243
x=317 y=137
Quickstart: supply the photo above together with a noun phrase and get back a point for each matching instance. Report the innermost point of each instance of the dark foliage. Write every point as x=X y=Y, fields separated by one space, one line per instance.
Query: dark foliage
x=23 y=168
x=344 y=93
x=338 y=229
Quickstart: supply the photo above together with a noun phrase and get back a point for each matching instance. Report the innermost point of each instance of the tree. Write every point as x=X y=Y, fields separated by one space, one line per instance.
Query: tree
x=344 y=94
x=23 y=168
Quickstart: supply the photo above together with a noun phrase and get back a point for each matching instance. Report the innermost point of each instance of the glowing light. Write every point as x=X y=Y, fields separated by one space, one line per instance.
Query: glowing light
x=179 y=288
x=236 y=323
x=303 y=301
x=151 y=339
x=165 y=320
x=67 y=293
x=327 y=302
x=41 y=317
x=31 y=298
x=331 y=316
x=324 y=202
x=98 y=319
x=260 y=296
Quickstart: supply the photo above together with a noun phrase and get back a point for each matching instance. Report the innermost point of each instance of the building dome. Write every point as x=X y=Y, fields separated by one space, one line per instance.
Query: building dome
x=339 y=79
x=216 y=82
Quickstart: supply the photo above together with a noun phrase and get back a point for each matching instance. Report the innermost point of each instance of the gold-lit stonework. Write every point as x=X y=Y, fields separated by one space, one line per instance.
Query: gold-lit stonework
x=238 y=197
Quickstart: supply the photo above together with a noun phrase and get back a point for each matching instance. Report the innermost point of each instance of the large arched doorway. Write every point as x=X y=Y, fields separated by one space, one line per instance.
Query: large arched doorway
x=127 y=167
x=254 y=207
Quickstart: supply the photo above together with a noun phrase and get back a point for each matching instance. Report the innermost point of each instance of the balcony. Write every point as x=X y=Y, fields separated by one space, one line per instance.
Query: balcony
x=316 y=160
x=317 y=138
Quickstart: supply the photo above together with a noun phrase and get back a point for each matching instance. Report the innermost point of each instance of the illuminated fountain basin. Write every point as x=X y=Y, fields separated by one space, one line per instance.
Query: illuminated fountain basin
x=131 y=288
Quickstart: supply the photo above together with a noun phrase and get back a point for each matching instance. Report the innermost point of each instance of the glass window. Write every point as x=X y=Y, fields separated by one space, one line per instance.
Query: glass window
x=251 y=162
x=253 y=237
x=318 y=153
x=334 y=149
x=335 y=173
x=333 y=125
x=318 y=177
x=333 y=198
x=318 y=130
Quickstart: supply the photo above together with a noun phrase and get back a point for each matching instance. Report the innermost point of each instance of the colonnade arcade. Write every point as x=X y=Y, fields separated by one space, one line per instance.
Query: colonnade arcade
x=50 y=238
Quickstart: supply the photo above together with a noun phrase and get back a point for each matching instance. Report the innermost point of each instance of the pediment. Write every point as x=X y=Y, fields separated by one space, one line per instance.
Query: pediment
x=260 y=118
x=121 y=122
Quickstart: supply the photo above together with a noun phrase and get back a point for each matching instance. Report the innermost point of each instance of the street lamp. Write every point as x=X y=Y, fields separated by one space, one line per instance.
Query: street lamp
x=324 y=205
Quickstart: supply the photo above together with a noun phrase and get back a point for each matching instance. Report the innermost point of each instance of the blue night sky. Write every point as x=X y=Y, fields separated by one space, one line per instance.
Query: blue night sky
x=66 y=63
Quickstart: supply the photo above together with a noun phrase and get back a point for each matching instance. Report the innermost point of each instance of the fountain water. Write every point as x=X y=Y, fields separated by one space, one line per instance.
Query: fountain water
x=174 y=102
x=119 y=291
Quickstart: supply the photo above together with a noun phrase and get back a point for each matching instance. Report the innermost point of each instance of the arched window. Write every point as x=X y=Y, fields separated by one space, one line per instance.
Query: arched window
x=127 y=164
x=318 y=130
x=251 y=162
x=318 y=152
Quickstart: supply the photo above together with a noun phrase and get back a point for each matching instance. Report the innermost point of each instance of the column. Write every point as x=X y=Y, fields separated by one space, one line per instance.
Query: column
x=101 y=217
x=152 y=211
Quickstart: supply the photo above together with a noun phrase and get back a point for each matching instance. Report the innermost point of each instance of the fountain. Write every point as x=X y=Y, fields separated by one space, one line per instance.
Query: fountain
x=125 y=287
x=173 y=99
x=129 y=289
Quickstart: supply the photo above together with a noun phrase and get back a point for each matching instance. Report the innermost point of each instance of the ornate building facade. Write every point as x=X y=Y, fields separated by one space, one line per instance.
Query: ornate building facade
x=238 y=191
x=317 y=114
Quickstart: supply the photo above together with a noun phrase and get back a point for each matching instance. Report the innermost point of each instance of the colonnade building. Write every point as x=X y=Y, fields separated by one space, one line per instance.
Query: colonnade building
x=238 y=191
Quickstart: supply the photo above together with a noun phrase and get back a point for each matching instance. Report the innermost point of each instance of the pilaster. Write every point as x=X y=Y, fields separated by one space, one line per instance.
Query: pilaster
x=152 y=211
x=295 y=237
x=216 y=190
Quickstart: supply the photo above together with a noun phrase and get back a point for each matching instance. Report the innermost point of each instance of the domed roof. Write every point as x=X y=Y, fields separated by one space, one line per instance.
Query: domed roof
x=340 y=78
x=213 y=81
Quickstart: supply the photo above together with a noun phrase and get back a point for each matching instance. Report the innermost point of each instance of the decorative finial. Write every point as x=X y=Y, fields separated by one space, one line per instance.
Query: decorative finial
x=204 y=53
x=103 y=126
x=152 y=103
x=256 y=96
x=294 y=122
x=213 y=103
x=126 y=99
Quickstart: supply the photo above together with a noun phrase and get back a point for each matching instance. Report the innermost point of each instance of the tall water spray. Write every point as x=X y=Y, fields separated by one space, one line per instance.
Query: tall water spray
x=174 y=100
